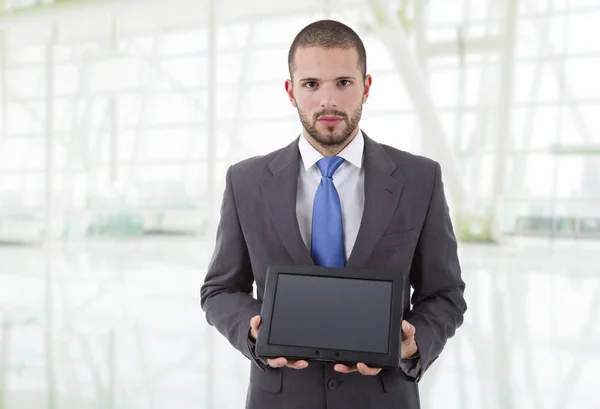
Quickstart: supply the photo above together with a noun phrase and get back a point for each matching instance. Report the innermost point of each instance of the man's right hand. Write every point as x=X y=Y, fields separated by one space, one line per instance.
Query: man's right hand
x=276 y=362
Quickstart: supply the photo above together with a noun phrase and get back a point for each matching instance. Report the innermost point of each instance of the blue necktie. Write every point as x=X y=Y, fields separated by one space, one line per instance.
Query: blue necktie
x=327 y=232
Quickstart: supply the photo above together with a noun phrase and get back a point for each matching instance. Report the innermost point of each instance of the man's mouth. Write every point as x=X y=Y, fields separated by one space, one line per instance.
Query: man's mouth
x=330 y=120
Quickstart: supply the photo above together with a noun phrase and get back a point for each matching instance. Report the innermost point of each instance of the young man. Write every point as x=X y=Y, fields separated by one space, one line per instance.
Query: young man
x=334 y=197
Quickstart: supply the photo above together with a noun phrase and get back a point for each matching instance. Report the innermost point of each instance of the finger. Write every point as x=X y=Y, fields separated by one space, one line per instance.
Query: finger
x=362 y=368
x=344 y=368
x=254 y=324
x=408 y=330
x=297 y=364
x=409 y=348
x=365 y=370
x=277 y=362
x=409 y=343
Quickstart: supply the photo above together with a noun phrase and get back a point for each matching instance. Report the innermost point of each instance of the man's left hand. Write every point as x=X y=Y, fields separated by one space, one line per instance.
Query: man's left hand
x=409 y=348
x=360 y=367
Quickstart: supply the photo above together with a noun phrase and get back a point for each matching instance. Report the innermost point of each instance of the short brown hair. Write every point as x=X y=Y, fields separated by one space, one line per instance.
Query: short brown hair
x=328 y=34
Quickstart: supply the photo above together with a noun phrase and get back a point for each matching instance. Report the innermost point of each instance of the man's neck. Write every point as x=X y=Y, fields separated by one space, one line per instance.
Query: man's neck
x=329 y=150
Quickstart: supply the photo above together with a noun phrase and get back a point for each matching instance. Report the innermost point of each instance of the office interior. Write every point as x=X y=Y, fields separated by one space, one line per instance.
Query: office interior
x=118 y=120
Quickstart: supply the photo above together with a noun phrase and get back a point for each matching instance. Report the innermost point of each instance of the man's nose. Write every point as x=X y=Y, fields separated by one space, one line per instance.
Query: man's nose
x=329 y=97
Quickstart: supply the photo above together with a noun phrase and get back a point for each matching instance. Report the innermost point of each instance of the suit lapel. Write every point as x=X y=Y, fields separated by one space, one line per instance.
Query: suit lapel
x=279 y=193
x=382 y=193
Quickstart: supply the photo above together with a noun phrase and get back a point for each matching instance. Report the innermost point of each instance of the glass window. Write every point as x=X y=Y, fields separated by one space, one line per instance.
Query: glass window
x=387 y=93
x=537 y=81
x=280 y=31
x=268 y=102
x=398 y=130
x=25 y=54
x=232 y=36
x=118 y=73
x=170 y=108
x=184 y=41
x=582 y=77
x=31 y=83
x=269 y=65
x=583 y=30
x=182 y=73
x=26 y=118
x=535 y=127
x=445 y=12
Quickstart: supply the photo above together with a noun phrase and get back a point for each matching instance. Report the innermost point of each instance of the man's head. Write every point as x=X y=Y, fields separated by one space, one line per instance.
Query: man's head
x=329 y=84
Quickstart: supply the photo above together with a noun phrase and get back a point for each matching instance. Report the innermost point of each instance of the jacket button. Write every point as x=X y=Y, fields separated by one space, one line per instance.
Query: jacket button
x=333 y=384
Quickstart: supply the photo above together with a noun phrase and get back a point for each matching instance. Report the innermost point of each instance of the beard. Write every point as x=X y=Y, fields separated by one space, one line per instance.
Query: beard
x=331 y=137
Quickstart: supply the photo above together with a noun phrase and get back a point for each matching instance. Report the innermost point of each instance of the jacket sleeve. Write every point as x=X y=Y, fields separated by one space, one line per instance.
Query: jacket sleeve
x=226 y=296
x=438 y=302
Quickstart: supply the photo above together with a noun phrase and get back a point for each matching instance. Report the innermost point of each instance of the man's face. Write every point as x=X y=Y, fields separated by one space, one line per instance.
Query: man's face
x=328 y=90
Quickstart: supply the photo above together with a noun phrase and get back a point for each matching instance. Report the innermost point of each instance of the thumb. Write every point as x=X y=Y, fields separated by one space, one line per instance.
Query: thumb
x=408 y=330
x=255 y=322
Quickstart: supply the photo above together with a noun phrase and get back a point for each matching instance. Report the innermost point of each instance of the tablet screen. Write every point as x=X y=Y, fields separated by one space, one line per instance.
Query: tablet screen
x=327 y=312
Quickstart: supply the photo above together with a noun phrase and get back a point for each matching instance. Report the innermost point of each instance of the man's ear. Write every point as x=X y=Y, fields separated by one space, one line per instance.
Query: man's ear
x=367 y=88
x=290 y=92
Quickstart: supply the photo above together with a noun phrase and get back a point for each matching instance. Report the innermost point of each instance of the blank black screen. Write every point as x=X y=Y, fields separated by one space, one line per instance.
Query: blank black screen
x=328 y=312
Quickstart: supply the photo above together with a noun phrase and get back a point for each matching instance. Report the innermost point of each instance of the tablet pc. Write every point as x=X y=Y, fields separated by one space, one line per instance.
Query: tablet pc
x=341 y=315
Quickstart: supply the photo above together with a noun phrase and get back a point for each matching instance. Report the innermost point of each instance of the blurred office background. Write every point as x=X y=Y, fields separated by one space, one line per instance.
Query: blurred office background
x=119 y=119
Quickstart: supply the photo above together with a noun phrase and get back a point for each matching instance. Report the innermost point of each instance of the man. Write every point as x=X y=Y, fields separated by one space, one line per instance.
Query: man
x=335 y=197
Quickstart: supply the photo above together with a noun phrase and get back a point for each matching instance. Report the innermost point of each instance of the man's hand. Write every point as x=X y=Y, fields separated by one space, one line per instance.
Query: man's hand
x=409 y=348
x=277 y=362
x=360 y=367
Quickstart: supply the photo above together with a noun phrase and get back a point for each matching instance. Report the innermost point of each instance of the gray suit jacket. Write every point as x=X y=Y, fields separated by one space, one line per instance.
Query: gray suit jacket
x=405 y=228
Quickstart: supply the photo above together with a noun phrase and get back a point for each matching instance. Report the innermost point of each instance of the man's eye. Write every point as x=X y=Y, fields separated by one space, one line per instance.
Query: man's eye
x=310 y=84
x=345 y=83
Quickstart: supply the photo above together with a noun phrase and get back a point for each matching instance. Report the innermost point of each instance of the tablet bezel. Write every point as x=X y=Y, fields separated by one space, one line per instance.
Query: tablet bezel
x=391 y=359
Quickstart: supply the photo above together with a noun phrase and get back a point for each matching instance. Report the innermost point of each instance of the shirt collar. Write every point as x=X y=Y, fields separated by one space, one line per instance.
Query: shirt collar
x=353 y=152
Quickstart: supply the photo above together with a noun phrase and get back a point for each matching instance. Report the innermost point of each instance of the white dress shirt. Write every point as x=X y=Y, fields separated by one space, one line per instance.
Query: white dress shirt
x=348 y=180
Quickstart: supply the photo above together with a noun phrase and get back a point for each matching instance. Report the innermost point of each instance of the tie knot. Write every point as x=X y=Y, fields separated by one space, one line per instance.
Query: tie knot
x=329 y=164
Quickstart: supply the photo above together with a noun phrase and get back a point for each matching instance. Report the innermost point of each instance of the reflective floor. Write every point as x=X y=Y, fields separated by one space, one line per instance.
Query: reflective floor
x=118 y=325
